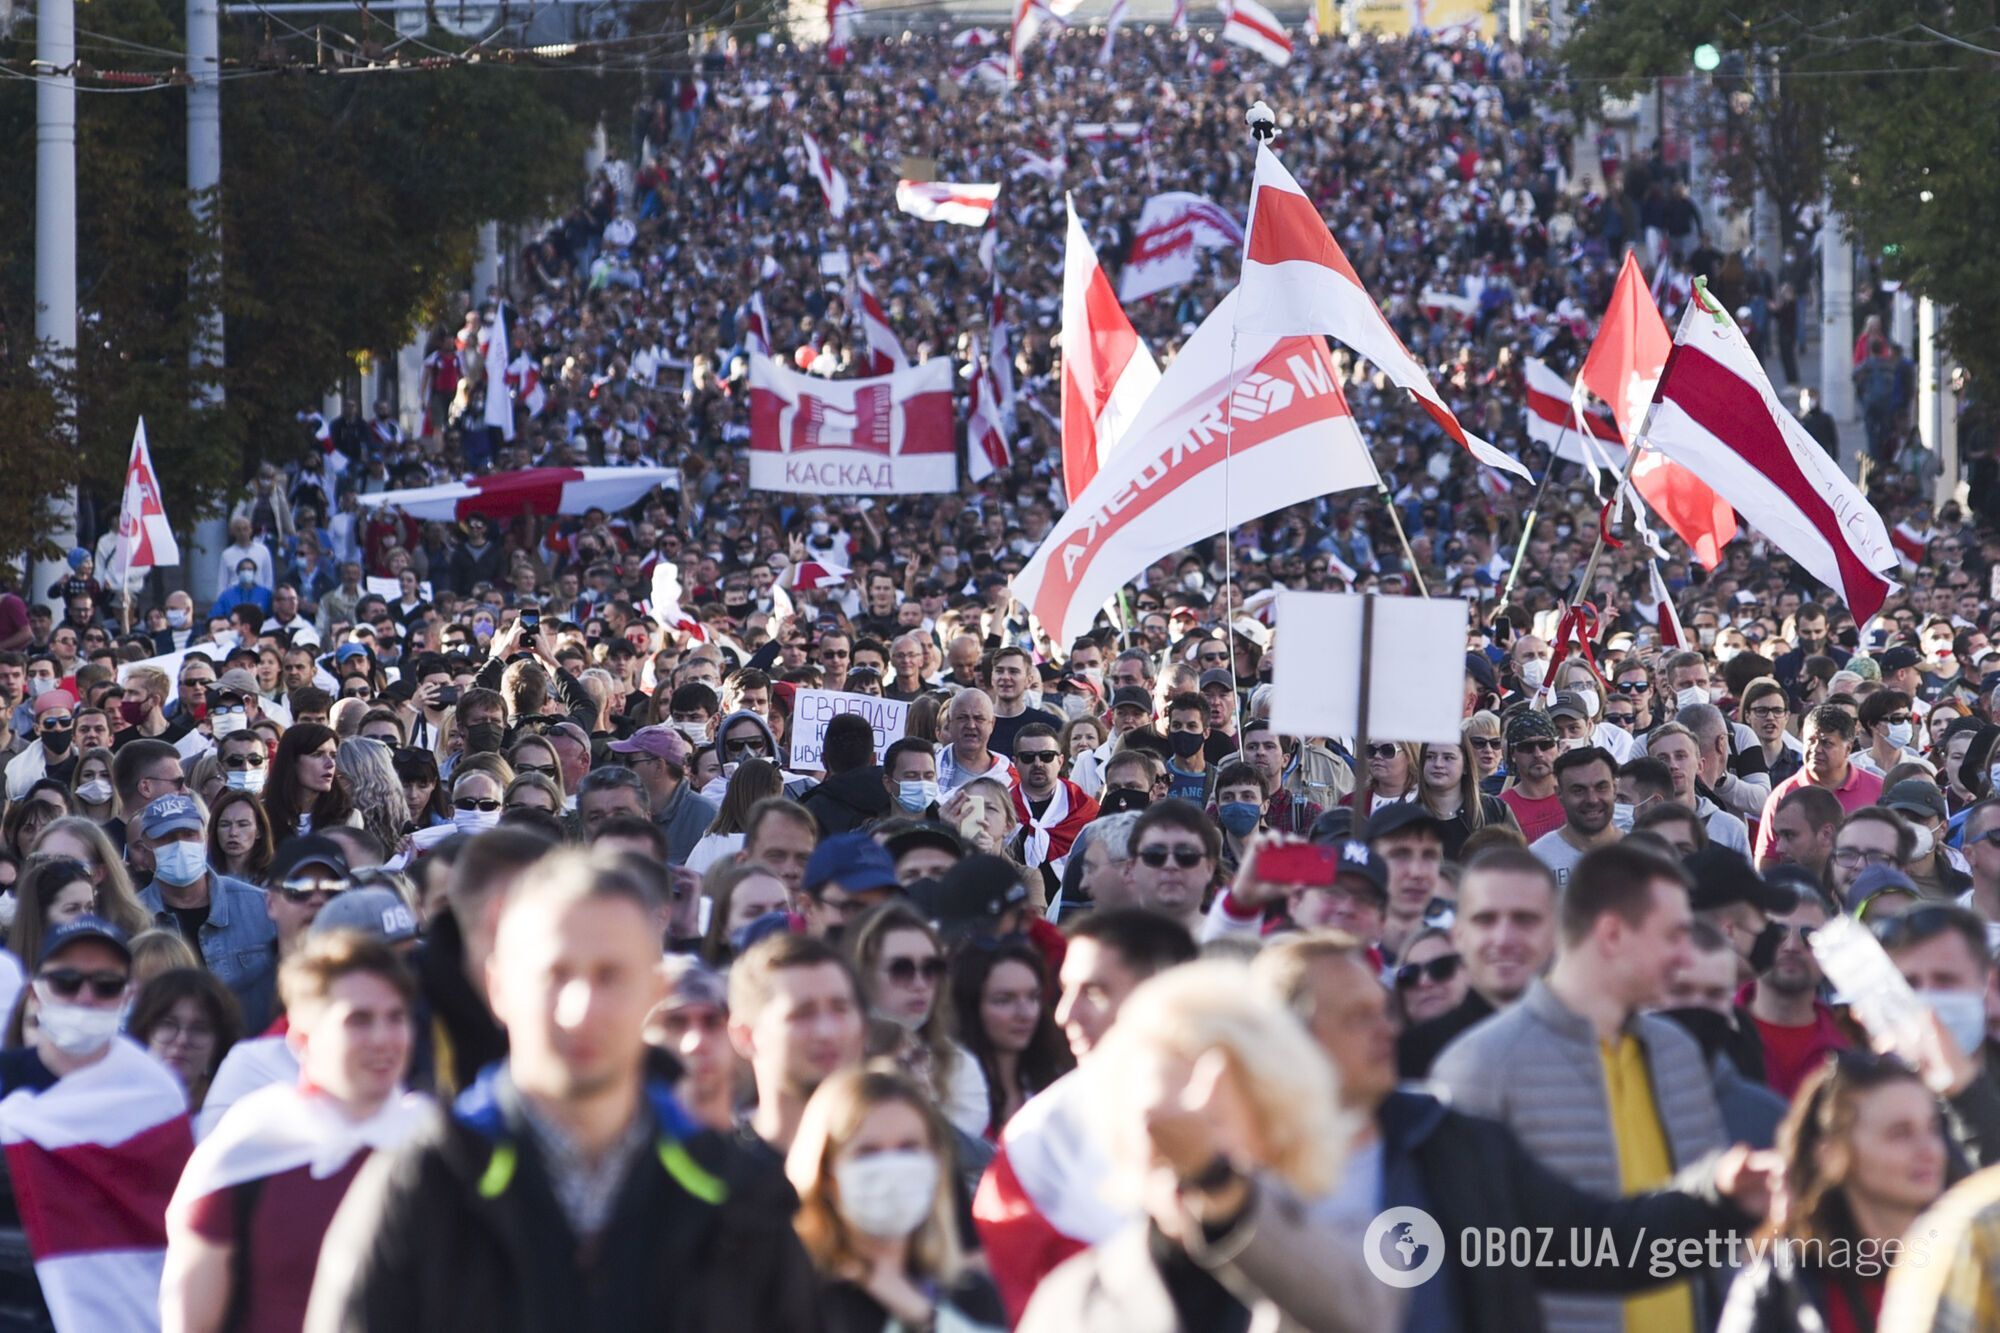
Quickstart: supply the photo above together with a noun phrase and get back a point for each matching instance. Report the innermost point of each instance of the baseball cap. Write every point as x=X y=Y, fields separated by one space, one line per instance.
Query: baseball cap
x=1400 y=815
x=850 y=862
x=1132 y=696
x=310 y=852
x=347 y=652
x=1217 y=676
x=1334 y=825
x=1569 y=704
x=53 y=700
x=1480 y=668
x=923 y=835
x=662 y=742
x=1897 y=658
x=1253 y=631
x=973 y=895
x=1916 y=797
x=83 y=928
x=692 y=982
x=378 y=912
x=1359 y=860
x=1722 y=877
x=235 y=681
x=1877 y=878
x=170 y=814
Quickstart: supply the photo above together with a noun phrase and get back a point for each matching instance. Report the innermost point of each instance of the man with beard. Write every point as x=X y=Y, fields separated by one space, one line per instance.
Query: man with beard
x=1587 y=785
x=1793 y=1025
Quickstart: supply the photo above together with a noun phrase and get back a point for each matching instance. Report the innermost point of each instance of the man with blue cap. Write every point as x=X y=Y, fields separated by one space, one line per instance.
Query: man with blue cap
x=223 y=920
x=848 y=874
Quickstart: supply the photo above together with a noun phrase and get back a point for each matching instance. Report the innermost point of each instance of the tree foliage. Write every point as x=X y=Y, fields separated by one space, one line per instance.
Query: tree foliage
x=349 y=209
x=1890 y=105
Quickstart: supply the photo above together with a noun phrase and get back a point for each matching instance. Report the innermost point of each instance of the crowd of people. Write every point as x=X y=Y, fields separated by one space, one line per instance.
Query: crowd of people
x=488 y=953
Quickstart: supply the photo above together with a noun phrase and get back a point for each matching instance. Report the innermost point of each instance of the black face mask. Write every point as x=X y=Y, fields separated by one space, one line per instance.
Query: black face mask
x=1119 y=800
x=484 y=737
x=56 y=742
x=1714 y=1031
x=1186 y=743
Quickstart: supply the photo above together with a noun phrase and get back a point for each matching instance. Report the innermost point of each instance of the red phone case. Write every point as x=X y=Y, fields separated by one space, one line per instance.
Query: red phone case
x=1305 y=864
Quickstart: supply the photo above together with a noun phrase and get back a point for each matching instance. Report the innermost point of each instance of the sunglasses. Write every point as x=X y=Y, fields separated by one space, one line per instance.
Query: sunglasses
x=1187 y=858
x=1919 y=923
x=1486 y=742
x=903 y=971
x=1381 y=752
x=1625 y=720
x=1437 y=971
x=1631 y=687
x=66 y=983
x=243 y=761
x=546 y=770
x=299 y=892
x=1037 y=756
x=745 y=747
x=474 y=803
x=1535 y=746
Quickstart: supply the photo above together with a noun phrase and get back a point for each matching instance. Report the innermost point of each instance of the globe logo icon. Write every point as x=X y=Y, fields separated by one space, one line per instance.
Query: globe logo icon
x=1403 y=1247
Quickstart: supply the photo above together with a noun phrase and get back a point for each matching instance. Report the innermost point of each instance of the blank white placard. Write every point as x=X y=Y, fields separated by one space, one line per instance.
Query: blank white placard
x=1417 y=689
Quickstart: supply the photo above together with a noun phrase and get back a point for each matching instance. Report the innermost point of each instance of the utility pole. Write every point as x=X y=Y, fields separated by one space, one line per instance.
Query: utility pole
x=204 y=179
x=55 y=243
x=1836 y=330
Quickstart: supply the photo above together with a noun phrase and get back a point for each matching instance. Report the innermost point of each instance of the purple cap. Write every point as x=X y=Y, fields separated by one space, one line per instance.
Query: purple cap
x=662 y=742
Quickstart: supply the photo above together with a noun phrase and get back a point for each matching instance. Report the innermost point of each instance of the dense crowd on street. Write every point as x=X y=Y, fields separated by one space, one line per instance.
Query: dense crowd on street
x=421 y=924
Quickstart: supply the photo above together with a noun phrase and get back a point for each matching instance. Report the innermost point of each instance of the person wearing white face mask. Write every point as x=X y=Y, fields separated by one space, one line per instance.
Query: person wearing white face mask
x=909 y=773
x=1930 y=866
x=1886 y=717
x=875 y=1211
x=223 y=920
x=1530 y=658
x=475 y=801
x=246 y=762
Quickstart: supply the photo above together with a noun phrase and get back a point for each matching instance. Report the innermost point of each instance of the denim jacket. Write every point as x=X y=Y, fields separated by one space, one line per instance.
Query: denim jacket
x=238 y=944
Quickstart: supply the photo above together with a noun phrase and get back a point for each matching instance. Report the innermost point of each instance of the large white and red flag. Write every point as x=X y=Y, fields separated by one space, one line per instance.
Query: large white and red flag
x=839 y=29
x=1668 y=615
x=1296 y=280
x=93 y=1160
x=756 y=328
x=1589 y=438
x=1000 y=356
x=1172 y=226
x=1716 y=413
x=499 y=402
x=1247 y=24
x=1107 y=372
x=831 y=183
x=888 y=435
x=1912 y=543
x=145 y=538
x=1623 y=367
x=1111 y=26
x=885 y=353
x=537 y=490
x=524 y=382
x=986 y=449
x=1280 y=421
x=966 y=203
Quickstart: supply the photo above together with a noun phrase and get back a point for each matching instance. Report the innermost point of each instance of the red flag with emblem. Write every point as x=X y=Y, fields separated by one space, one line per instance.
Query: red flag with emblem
x=145 y=538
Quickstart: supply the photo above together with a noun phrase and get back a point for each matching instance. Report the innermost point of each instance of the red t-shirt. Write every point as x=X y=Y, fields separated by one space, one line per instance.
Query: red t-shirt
x=288 y=1221
x=1535 y=817
x=1791 y=1053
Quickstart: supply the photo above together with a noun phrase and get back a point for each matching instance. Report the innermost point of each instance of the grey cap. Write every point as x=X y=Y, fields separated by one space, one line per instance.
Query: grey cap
x=378 y=912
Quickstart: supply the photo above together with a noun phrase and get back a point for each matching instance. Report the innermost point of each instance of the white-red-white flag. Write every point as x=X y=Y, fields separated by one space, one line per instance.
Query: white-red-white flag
x=1623 y=368
x=756 y=328
x=1111 y=26
x=524 y=381
x=93 y=1160
x=1107 y=372
x=145 y=538
x=499 y=406
x=885 y=353
x=1716 y=413
x=1911 y=542
x=889 y=435
x=1667 y=615
x=1254 y=28
x=537 y=490
x=1180 y=16
x=965 y=203
x=1280 y=421
x=831 y=183
x=986 y=450
x=839 y=29
x=1000 y=356
x=1297 y=280
x=1172 y=226
x=812 y=575
x=1590 y=439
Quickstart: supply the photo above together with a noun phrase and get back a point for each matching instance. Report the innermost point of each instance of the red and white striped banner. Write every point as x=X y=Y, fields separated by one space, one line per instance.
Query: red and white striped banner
x=1281 y=422
x=1910 y=543
x=538 y=490
x=1172 y=227
x=1667 y=615
x=1249 y=25
x=887 y=435
x=1107 y=373
x=968 y=205
x=831 y=183
x=1296 y=280
x=885 y=353
x=1716 y=414
x=986 y=449
x=1553 y=421
x=94 y=1160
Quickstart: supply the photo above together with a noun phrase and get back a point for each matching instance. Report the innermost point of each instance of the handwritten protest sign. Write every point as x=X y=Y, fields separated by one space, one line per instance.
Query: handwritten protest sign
x=813 y=709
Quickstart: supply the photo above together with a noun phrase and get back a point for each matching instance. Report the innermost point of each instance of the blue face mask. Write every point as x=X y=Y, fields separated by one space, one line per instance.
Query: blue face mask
x=1239 y=817
x=915 y=796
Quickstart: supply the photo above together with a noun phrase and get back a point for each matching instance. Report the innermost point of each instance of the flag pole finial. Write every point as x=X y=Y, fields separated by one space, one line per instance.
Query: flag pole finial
x=1263 y=122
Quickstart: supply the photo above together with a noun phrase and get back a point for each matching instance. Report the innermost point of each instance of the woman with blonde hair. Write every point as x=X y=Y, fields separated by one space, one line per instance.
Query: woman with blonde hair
x=1393 y=773
x=1225 y=1111
x=872 y=1165
x=79 y=839
x=532 y=791
x=1489 y=750
x=377 y=791
x=158 y=950
x=900 y=959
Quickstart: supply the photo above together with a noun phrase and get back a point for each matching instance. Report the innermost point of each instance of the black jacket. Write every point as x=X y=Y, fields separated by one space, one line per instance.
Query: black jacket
x=1475 y=1174
x=461 y=1229
x=848 y=801
x=461 y=1037
x=1418 y=1048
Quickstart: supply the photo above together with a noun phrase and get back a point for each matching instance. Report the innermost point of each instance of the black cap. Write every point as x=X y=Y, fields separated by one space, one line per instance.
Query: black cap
x=974 y=894
x=1333 y=825
x=1898 y=658
x=1400 y=815
x=1722 y=877
x=1480 y=667
x=1217 y=676
x=923 y=835
x=1132 y=696
x=83 y=928
x=309 y=852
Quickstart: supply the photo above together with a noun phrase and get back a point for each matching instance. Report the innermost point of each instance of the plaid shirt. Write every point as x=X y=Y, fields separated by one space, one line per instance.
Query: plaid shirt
x=1958 y=1289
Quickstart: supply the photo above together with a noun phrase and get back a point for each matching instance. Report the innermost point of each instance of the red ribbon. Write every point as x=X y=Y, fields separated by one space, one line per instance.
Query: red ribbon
x=1579 y=623
x=1604 y=526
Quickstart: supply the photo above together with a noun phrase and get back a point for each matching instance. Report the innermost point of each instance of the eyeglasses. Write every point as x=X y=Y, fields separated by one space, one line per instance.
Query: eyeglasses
x=546 y=770
x=474 y=803
x=1847 y=858
x=176 y=783
x=168 y=1029
x=1187 y=858
x=1437 y=971
x=1214 y=657
x=242 y=761
x=903 y=971
x=299 y=892
x=1771 y=713
x=1535 y=746
x=1485 y=742
x=1037 y=756
x=50 y=722
x=66 y=983
x=1381 y=752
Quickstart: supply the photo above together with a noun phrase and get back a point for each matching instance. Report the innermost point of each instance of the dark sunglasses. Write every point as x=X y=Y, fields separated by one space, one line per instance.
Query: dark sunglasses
x=299 y=892
x=1544 y=743
x=1183 y=856
x=1037 y=757
x=903 y=971
x=242 y=761
x=1632 y=687
x=1436 y=970
x=1486 y=742
x=1625 y=720
x=546 y=770
x=474 y=803
x=68 y=982
x=1381 y=752
x=745 y=747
